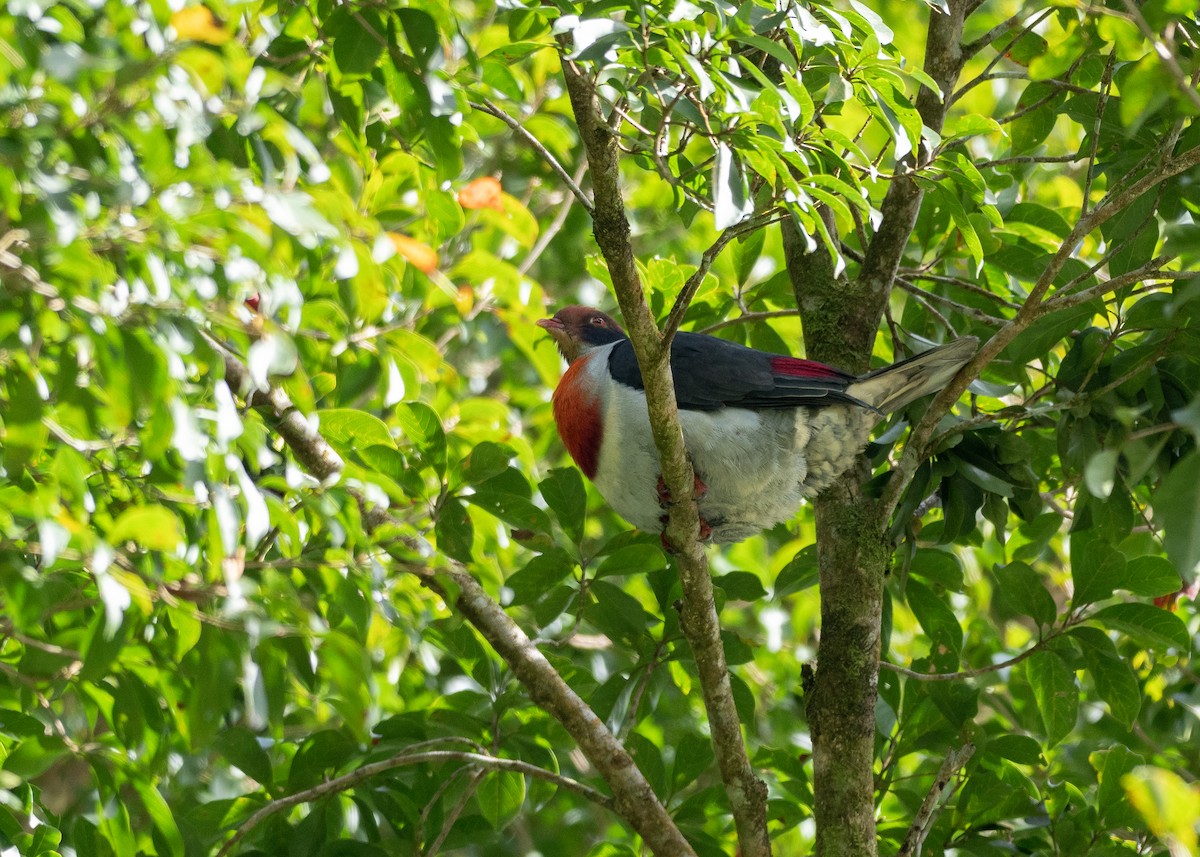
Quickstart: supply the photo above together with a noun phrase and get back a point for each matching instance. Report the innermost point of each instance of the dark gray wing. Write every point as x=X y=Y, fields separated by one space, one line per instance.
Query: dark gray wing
x=712 y=373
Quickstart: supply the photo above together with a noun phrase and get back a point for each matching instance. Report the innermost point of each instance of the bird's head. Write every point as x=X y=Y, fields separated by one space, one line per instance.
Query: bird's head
x=576 y=330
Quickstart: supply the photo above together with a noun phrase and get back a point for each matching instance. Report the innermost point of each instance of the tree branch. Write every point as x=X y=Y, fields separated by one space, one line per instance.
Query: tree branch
x=750 y=317
x=1165 y=53
x=930 y=807
x=633 y=798
x=975 y=673
x=354 y=778
x=918 y=442
x=523 y=132
x=944 y=59
x=840 y=325
x=747 y=794
x=679 y=309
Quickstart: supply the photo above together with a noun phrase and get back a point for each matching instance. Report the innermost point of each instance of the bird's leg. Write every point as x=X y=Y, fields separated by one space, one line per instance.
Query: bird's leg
x=699 y=489
x=703 y=535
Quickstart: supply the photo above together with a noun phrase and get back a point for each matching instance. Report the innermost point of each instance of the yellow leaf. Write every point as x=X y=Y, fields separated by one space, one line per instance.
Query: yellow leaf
x=423 y=256
x=481 y=193
x=198 y=24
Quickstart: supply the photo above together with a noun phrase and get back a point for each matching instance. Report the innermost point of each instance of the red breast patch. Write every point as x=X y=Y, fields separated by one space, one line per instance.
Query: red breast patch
x=577 y=414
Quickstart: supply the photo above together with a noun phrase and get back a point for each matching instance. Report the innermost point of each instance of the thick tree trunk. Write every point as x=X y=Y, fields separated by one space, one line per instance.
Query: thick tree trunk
x=853 y=562
x=840 y=321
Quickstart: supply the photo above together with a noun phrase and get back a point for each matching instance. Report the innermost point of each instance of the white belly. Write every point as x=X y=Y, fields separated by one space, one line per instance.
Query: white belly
x=753 y=462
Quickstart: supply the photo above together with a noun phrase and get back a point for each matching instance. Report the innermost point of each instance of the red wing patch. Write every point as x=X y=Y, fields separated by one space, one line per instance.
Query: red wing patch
x=577 y=414
x=797 y=368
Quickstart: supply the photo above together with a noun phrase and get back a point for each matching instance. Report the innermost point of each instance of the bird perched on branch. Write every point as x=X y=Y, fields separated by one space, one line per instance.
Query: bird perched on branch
x=763 y=430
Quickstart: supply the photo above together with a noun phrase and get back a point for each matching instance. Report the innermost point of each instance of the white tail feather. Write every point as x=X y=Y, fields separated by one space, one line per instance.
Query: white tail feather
x=891 y=388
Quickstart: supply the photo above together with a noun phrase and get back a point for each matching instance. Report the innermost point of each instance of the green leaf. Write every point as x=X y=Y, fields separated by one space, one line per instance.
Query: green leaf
x=501 y=796
x=731 y=197
x=743 y=699
x=485 y=461
x=938 y=566
x=539 y=576
x=737 y=650
x=1041 y=101
x=347 y=428
x=454 y=530
x=1150 y=577
x=512 y=509
x=1146 y=625
x=1169 y=803
x=799 y=574
x=632 y=559
x=359 y=37
x=983 y=478
x=1097 y=568
x=1056 y=693
x=936 y=618
x=160 y=814
x=104 y=643
x=746 y=252
x=566 y=495
x=1020 y=590
x=1145 y=88
x=240 y=748
x=320 y=753
x=1016 y=748
x=421 y=33
x=1117 y=686
x=149 y=527
x=617 y=614
x=421 y=425
x=740 y=586
x=1177 y=510
x=1100 y=473
x=647 y=755
x=693 y=756
x=1111 y=765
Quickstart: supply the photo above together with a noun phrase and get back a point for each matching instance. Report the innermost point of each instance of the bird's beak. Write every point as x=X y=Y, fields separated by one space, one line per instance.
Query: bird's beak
x=558 y=332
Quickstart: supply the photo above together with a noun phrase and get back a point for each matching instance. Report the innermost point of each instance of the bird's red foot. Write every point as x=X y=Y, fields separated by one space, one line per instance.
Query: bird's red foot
x=703 y=535
x=699 y=489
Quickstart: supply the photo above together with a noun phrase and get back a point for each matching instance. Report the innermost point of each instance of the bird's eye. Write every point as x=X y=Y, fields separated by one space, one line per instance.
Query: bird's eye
x=596 y=321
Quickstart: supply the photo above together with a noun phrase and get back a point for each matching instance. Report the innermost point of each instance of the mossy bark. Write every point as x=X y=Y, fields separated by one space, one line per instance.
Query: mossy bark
x=853 y=560
x=840 y=321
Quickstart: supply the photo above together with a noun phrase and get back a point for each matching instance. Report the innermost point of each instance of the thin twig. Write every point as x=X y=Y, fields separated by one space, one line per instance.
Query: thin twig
x=1101 y=104
x=1164 y=52
x=930 y=807
x=1148 y=271
x=709 y=256
x=547 y=234
x=523 y=132
x=352 y=779
x=973 y=48
x=633 y=798
x=1112 y=204
x=925 y=296
x=959 y=283
x=1032 y=159
x=452 y=816
x=963 y=674
x=750 y=317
